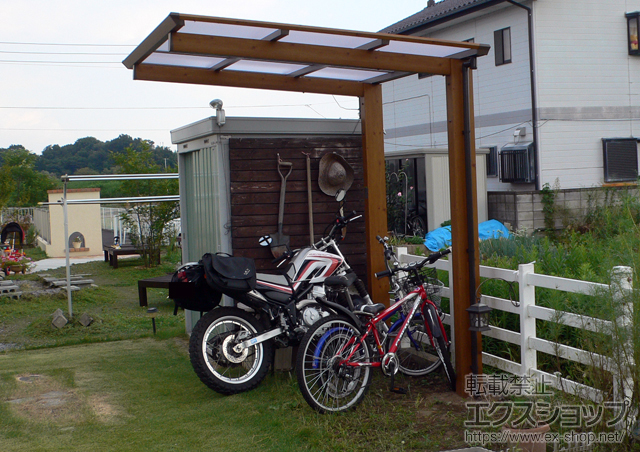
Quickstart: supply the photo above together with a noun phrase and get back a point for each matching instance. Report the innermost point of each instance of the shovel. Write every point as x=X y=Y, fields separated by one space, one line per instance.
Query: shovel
x=280 y=242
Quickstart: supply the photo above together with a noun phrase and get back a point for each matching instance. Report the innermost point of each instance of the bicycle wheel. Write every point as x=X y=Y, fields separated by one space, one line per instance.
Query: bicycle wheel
x=416 y=356
x=327 y=384
x=445 y=357
x=214 y=359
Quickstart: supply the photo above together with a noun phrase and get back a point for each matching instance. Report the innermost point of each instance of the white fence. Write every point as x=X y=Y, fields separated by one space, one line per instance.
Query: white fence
x=527 y=340
x=42 y=223
x=9 y=213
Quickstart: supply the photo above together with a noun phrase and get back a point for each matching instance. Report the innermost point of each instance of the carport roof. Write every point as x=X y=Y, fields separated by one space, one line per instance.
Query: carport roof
x=233 y=52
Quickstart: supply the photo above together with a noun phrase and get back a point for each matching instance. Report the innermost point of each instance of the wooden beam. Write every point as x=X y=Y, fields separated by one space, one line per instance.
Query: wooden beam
x=375 y=188
x=154 y=40
x=287 y=52
x=460 y=229
x=198 y=76
x=481 y=49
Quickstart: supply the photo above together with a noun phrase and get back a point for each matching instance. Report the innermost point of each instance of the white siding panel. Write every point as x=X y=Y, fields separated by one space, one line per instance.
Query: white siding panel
x=588 y=88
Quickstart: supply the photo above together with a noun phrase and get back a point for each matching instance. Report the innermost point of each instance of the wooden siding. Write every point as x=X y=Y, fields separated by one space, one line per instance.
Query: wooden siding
x=255 y=195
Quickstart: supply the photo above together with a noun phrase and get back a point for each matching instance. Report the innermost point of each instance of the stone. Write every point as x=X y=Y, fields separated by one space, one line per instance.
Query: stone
x=59 y=321
x=58 y=312
x=85 y=319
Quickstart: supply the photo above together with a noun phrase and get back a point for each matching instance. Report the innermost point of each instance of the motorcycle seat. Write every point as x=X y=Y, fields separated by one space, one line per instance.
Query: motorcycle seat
x=340 y=280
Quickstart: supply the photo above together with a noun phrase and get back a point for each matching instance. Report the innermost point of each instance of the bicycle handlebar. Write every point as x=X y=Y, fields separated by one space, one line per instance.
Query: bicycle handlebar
x=414 y=265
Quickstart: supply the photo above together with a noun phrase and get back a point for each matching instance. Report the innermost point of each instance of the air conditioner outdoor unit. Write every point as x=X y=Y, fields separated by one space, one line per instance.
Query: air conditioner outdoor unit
x=517 y=163
x=620 y=159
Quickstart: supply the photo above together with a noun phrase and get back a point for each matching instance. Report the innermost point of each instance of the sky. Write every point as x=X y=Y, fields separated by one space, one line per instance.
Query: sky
x=62 y=77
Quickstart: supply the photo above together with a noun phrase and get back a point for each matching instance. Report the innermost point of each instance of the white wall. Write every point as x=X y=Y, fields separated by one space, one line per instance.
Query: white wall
x=415 y=110
x=587 y=86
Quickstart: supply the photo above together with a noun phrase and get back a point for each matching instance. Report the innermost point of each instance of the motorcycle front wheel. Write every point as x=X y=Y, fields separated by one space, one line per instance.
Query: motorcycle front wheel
x=217 y=364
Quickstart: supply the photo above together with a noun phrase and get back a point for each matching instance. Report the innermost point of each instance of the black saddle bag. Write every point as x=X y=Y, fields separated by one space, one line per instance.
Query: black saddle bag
x=189 y=290
x=230 y=275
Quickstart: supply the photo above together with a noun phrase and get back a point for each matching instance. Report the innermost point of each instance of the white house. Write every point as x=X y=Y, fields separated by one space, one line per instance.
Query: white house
x=557 y=100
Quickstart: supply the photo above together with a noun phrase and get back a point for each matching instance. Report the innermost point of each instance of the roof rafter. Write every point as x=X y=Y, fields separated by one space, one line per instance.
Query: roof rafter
x=198 y=76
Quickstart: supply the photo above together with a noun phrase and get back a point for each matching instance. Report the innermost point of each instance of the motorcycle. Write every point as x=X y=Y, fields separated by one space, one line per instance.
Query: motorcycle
x=232 y=348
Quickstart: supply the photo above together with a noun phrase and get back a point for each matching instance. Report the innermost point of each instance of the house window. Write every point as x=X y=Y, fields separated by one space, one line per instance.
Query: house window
x=492 y=162
x=502 y=46
x=620 y=159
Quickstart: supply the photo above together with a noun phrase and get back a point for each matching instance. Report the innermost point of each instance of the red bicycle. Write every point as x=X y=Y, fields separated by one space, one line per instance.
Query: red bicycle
x=336 y=355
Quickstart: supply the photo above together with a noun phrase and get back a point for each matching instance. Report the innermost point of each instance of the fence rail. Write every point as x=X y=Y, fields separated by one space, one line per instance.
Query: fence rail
x=529 y=312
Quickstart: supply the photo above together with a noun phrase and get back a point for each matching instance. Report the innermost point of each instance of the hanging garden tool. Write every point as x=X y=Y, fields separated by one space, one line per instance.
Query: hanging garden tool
x=309 y=197
x=279 y=242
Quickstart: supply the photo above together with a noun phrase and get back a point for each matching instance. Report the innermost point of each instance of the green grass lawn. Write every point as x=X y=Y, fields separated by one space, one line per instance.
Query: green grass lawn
x=142 y=395
x=113 y=386
x=112 y=303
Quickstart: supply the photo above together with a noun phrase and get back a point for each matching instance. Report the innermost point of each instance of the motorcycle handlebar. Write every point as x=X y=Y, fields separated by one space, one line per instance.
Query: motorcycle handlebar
x=338 y=224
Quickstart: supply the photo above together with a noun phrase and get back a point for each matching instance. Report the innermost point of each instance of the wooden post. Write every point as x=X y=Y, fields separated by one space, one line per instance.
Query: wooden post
x=375 y=191
x=464 y=233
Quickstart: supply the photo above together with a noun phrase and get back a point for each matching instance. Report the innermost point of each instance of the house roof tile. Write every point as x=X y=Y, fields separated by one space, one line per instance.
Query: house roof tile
x=432 y=13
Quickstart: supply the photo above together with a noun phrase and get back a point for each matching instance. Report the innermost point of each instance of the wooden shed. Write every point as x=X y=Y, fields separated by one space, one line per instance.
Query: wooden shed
x=230 y=186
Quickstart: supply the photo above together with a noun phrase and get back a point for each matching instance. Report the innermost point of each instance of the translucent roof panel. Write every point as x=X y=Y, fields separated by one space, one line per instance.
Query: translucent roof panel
x=324 y=39
x=414 y=48
x=226 y=30
x=266 y=67
x=345 y=74
x=173 y=59
x=288 y=56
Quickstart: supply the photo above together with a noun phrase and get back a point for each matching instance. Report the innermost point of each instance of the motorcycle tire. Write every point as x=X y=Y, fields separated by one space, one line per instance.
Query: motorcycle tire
x=212 y=356
x=326 y=385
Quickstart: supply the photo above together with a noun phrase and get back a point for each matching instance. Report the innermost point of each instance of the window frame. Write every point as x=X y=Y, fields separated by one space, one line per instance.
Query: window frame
x=625 y=167
x=502 y=46
x=493 y=162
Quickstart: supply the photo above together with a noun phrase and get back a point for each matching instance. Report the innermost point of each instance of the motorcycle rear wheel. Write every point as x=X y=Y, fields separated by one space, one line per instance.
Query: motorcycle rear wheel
x=215 y=361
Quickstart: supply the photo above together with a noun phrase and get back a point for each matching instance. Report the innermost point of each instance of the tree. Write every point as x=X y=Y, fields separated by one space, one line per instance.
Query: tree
x=147 y=221
x=20 y=184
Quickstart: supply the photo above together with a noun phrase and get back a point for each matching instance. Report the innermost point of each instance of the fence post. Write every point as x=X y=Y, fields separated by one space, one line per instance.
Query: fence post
x=621 y=286
x=527 y=292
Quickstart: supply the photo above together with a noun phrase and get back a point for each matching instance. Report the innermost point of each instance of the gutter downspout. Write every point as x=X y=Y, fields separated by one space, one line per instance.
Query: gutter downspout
x=467 y=67
x=534 y=99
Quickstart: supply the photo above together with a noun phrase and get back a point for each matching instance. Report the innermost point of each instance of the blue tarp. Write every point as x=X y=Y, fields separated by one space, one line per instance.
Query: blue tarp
x=441 y=237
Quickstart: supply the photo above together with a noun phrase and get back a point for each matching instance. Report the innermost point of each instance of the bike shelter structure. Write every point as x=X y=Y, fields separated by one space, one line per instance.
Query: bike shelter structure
x=249 y=54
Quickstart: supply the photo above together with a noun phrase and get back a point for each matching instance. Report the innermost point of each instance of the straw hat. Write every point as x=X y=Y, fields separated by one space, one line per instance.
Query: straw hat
x=335 y=174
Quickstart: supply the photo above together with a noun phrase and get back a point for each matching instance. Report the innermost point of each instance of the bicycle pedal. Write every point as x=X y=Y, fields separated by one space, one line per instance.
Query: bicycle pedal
x=398 y=390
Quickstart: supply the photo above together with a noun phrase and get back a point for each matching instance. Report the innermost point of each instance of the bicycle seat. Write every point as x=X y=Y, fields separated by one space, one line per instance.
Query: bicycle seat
x=372 y=309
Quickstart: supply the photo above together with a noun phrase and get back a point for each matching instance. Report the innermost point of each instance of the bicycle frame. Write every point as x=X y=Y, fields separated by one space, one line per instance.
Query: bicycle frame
x=421 y=301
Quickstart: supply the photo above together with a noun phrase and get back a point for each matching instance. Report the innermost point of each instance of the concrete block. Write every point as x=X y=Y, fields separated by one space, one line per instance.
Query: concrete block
x=59 y=321
x=525 y=216
x=85 y=319
x=523 y=199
